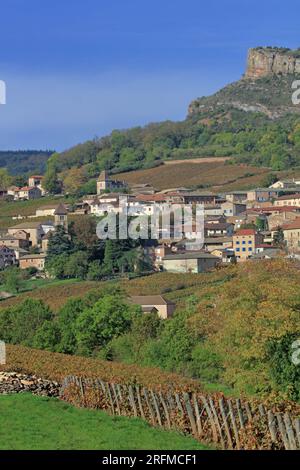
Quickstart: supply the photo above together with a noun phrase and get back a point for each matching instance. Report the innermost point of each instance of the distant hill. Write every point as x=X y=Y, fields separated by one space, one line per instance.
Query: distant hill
x=23 y=162
x=251 y=121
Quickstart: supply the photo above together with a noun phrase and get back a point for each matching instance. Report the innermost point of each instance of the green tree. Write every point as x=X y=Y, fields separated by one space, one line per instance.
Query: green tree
x=5 y=179
x=260 y=224
x=66 y=321
x=12 y=279
x=172 y=350
x=110 y=317
x=59 y=243
x=47 y=336
x=77 y=265
x=18 y=324
x=55 y=265
x=95 y=271
x=284 y=372
x=112 y=255
x=205 y=363
x=83 y=230
x=278 y=238
x=51 y=182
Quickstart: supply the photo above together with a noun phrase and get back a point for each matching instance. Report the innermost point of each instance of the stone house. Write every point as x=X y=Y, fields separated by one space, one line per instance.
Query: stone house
x=154 y=303
x=262 y=194
x=292 y=236
x=29 y=192
x=227 y=256
x=190 y=262
x=37 y=181
x=218 y=229
x=245 y=242
x=285 y=184
x=33 y=261
x=160 y=252
x=230 y=209
x=104 y=183
x=14 y=241
x=33 y=229
x=215 y=243
x=289 y=200
x=237 y=197
x=46 y=211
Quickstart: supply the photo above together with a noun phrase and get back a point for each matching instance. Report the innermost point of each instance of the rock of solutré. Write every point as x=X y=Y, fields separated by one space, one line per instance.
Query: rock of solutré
x=13 y=382
x=264 y=61
x=266 y=87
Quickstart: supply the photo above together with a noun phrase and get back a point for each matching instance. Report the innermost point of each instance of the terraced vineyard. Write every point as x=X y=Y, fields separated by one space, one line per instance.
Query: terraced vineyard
x=173 y=286
x=205 y=175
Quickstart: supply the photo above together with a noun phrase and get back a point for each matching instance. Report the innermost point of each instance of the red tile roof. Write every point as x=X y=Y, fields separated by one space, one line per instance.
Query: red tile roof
x=274 y=209
x=290 y=196
x=246 y=231
x=151 y=197
x=293 y=225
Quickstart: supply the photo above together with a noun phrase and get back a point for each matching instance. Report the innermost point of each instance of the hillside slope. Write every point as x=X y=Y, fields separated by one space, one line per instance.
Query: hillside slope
x=251 y=121
x=228 y=328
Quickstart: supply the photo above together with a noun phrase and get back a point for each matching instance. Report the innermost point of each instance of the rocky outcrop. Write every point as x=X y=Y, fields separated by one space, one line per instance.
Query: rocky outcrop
x=267 y=61
x=265 y=88
x=12 y=382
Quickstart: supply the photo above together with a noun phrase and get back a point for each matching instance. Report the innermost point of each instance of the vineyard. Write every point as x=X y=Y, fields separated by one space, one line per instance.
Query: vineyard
x=232 y=424
x=171 y=285
x=205 y=175
x=56 y=366
x=164 y=399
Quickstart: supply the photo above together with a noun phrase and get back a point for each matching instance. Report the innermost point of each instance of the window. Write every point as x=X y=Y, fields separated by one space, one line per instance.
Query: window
x=243 y=242
x=250 y=248
x=237 y=243
x=243 y=249
x=250 y=242
x=237 y=249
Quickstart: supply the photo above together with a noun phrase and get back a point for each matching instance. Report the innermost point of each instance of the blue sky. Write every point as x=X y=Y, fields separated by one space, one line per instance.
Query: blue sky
x=75 y=69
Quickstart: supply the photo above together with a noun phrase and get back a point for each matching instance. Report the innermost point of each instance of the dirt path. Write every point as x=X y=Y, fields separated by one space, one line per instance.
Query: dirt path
x=197 y=160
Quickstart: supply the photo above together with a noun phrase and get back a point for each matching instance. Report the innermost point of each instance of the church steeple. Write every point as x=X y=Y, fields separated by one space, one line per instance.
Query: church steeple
x=61 y=217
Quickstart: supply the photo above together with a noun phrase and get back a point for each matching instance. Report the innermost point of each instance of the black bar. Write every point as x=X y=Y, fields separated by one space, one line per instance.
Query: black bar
x=136 y=459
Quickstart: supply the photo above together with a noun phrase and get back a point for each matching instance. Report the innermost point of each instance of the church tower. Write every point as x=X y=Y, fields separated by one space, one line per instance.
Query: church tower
x=102 y=182
x=61 y=217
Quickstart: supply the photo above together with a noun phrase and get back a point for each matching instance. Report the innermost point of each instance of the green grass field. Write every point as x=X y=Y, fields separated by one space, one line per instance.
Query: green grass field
x=36 y=423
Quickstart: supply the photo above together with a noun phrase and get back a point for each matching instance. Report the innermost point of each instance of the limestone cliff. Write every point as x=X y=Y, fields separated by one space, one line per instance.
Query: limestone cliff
x=266 y=87
x=263 y=61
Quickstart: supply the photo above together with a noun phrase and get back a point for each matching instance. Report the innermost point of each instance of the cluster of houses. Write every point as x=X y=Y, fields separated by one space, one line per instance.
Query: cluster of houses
x=25 y=244
x=238 y=225
x=33 y=190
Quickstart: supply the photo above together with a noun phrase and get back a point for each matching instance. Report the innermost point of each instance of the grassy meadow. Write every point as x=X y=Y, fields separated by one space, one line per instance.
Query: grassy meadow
x=38 y=423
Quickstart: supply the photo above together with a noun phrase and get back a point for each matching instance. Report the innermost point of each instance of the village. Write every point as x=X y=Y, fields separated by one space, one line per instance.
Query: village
x=239 y=226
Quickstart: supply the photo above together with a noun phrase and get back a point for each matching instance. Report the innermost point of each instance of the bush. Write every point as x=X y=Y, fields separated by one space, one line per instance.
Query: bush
x=18 y=325
x=206 y=365
x=284 y=372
